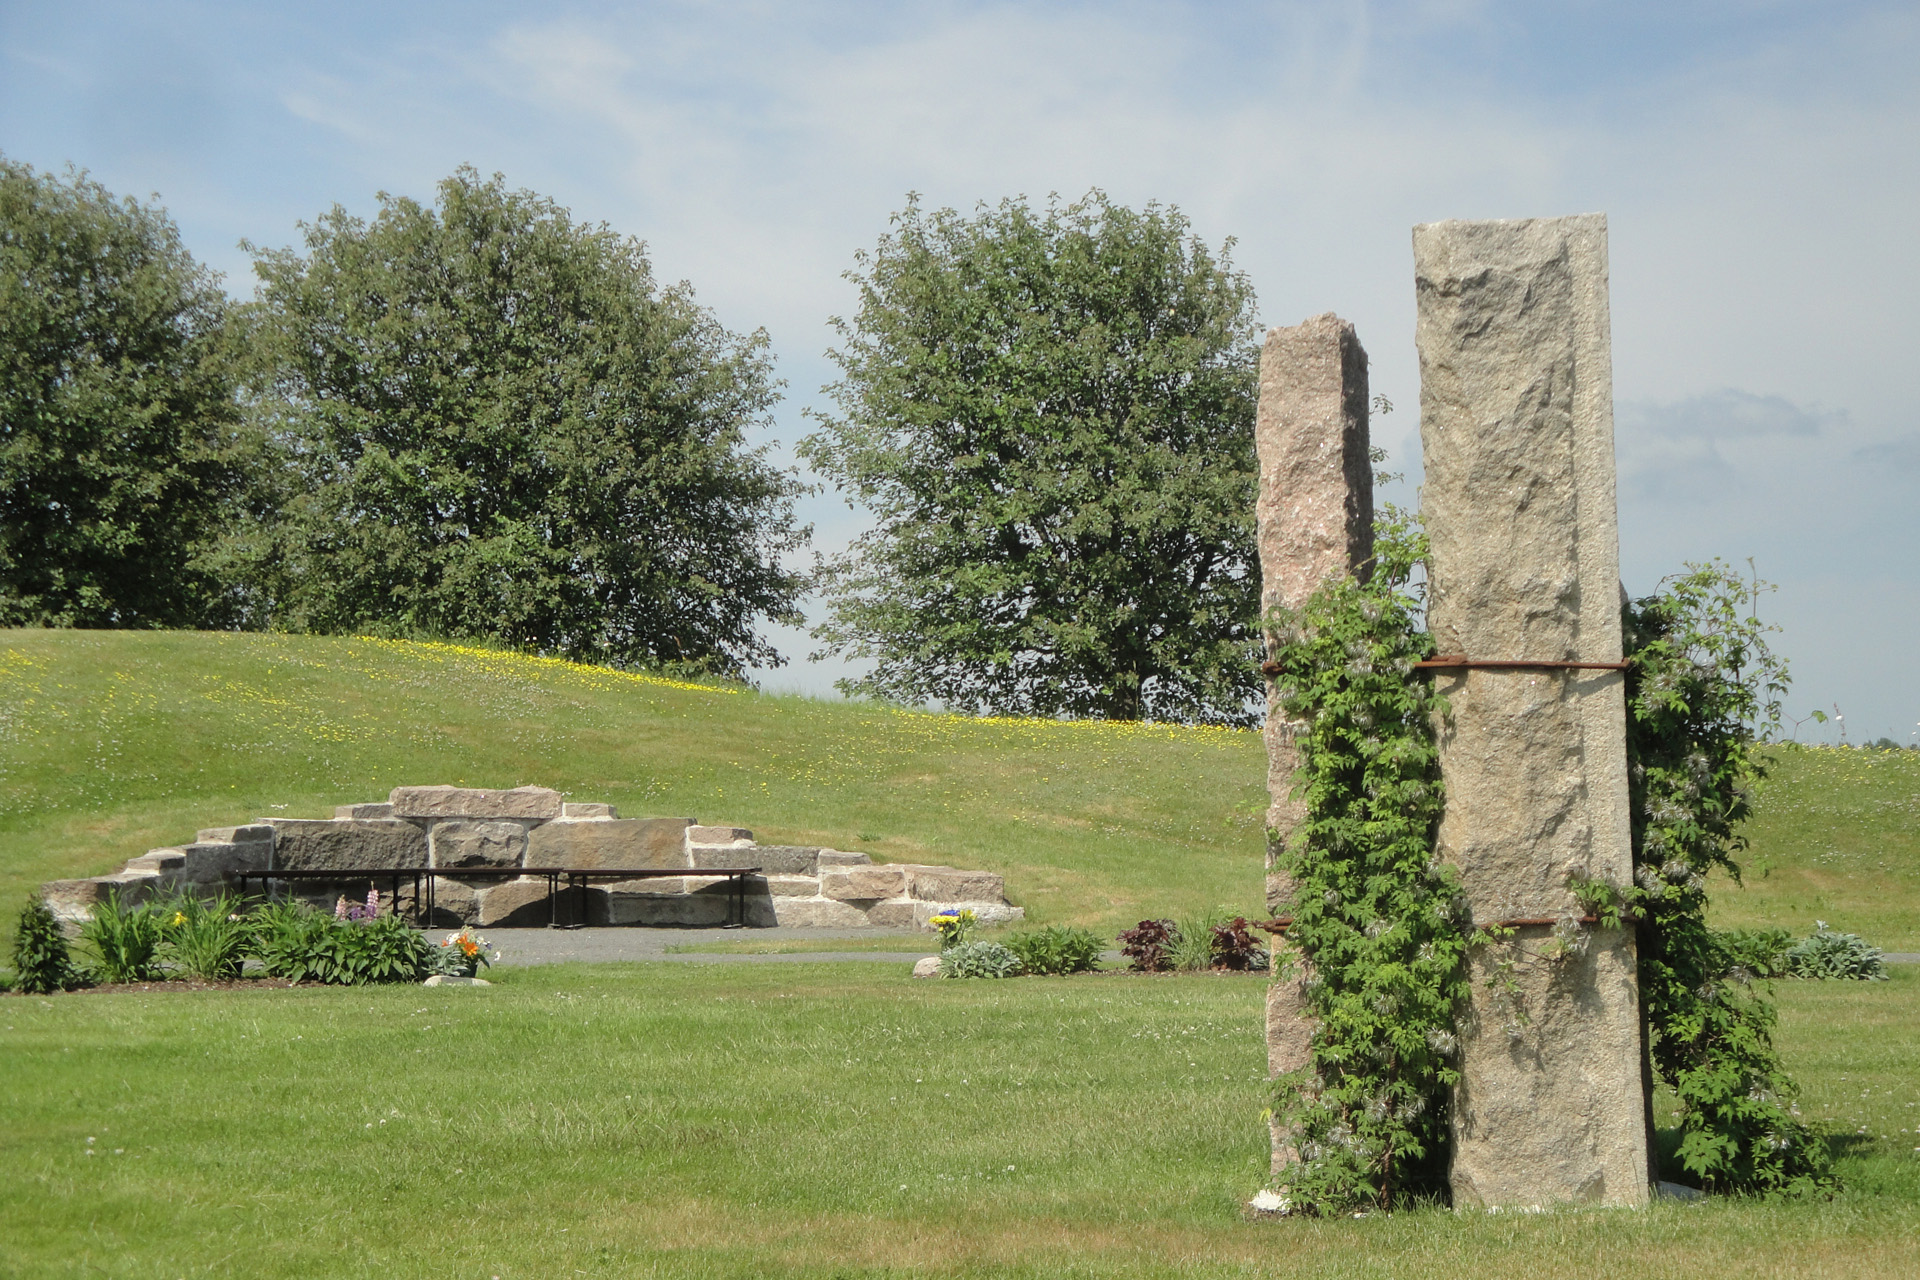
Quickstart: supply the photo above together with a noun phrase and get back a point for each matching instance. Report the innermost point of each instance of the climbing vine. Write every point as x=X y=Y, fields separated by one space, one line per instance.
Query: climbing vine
x=1373 y=915
x=1376 y=921
x=1703 y=692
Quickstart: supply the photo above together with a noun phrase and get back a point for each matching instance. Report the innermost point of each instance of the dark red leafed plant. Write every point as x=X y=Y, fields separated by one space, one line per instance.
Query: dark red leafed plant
x=1234 y=947
x=1148 y=945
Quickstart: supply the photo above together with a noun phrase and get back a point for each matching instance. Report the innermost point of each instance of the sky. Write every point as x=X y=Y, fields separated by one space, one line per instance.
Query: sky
x=1759 y=164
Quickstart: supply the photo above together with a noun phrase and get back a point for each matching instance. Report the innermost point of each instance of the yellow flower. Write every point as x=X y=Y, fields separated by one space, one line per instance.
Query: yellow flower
x=179 y=918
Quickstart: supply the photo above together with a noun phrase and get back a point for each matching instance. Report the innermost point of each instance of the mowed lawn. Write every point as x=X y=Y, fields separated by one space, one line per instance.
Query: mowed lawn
x=818 y=1120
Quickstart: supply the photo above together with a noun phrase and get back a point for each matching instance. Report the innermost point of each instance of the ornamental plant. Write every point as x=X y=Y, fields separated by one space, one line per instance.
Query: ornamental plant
x=41 y=962
x=205 y=939
x=1057 y=949
x=979 y=960
x=461 y=954
x=956 y=926
x=1373 y=914
x=1149 y=945
x=125 y=938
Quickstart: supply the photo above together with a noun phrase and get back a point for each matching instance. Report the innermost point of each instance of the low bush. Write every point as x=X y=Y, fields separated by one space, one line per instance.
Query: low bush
x=1148 y=946
x=125 y=939
x=461 y=954
x=1057 y=949
x=1828 y=954
x=1234 y=946
x=300 y=944
x=978 y=960
x=41 y=962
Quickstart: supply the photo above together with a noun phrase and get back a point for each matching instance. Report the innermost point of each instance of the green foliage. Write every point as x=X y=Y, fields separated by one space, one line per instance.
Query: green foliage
x=41 y=962
x=1702 y=689
x=124 y=937
x=1760 y=952
x=208 y=939
x=303 y=945
x=118 y=445
x=1050 y=416
x=1829 y=954
x=1057 y=949
x=497 y=425
x=979 y=960
x=1372 y=907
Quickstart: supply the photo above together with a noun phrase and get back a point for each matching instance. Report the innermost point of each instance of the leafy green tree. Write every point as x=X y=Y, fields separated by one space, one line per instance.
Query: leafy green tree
x=1050 y=416
x=497 y=425
x=118 y=446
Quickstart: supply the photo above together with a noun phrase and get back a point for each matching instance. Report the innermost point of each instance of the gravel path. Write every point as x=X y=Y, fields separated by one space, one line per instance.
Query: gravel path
x=555 y=946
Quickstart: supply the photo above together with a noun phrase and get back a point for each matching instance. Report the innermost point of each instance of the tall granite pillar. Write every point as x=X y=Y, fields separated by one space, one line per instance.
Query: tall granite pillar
x=1516 y=422
x=1315 y=521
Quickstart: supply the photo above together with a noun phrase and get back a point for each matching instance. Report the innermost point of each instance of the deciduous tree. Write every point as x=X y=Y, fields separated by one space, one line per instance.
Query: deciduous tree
x=117 y=415
x=504 y=427
x=1049 y=414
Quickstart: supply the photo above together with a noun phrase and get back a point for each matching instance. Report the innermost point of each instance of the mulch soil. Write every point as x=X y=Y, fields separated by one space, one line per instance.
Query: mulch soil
x=183 y=984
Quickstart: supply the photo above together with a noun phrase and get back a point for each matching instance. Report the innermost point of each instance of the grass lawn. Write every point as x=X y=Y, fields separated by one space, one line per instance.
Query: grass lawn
x=818 y=1120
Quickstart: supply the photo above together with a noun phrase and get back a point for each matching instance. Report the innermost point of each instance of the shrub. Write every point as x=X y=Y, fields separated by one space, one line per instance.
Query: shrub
x=289 y=939
x=978 y=960
x=40 y=960
x=1235 y=947
x=125 y=939
x=1148 y=945
x=300 y=944
x=206 y=940
x=1057 y=949
x=1827 y=954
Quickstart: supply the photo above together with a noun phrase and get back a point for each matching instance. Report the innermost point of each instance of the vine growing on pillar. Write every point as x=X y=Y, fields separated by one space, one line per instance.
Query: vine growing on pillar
x=1703 y=693
x=1374 y=919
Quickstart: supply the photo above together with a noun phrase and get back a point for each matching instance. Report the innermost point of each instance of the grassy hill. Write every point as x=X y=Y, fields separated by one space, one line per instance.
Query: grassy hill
x=115 y=742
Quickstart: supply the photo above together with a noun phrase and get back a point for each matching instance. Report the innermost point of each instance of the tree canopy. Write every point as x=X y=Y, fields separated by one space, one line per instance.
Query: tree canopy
x=498 y=425
x=1049 y=414
x=117 y=418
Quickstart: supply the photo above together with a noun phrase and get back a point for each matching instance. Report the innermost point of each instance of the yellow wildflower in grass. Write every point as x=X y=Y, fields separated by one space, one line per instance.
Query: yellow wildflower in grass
x=501 y=662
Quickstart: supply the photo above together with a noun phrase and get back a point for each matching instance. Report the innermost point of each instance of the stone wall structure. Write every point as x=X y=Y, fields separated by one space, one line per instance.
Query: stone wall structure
x=1516 y=422
x=1315 y=522
x=448 y=828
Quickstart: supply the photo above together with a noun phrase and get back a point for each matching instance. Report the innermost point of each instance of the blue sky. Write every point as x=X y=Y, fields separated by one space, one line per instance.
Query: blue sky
x=1759 y=164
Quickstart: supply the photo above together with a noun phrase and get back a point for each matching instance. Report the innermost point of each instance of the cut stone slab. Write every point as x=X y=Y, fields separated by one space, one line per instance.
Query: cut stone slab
x=613 y=843
x=841 y=858
x=774 y=859
x=1516 y=423
x=696 y=910
x=380 y=810
x=785 y=886
x=318 y=844
x=1314 y=522
x=521 y=903
x=858 y=884
x=461 y=843
x=817 y=913
x=538 y=803
x=987 y=913
x=947 y=884
x=588 y=810
x=718 y=835
x=158 y=860
x=455 y=903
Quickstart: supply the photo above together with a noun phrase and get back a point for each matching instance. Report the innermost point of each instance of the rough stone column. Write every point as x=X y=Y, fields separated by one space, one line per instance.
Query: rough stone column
x=1315 y=519
x=1516 y=421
